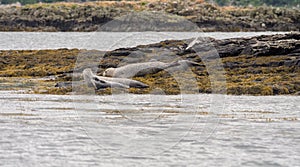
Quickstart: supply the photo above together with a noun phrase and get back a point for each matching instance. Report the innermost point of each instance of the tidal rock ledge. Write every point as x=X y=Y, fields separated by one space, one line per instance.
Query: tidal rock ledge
x=262 y=65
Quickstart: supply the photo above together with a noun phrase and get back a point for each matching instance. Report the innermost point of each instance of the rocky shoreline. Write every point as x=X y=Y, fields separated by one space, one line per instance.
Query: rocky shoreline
x=90 y=16
x=262 y=65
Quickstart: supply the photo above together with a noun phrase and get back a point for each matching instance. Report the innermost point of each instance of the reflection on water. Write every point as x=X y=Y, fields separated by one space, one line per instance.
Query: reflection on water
x=200 y=130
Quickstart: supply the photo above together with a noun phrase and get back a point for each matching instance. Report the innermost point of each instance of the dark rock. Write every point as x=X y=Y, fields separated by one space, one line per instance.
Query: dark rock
x=118 y=53
x=291 y=63
x=260 y=46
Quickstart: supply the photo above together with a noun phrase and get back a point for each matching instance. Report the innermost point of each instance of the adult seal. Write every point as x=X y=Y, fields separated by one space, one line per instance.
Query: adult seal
x=142 y=69
x=99 y=82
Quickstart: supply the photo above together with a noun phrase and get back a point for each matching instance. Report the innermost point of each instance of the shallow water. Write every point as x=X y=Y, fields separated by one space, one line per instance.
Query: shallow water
x=128 y=130
x=102 y=40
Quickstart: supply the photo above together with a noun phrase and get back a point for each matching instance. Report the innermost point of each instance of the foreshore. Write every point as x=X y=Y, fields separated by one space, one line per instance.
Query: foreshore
x=90 y=16
x=262 y=65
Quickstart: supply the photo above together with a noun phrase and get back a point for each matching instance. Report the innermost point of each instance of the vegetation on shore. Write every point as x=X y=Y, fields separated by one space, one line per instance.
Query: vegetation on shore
x=289 y=3
x=219 y=2
x=256 y=70
x=90 y=16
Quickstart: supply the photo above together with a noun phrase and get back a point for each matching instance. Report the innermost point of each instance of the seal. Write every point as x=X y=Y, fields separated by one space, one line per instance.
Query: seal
x=100 y=82
x=142 y=69
x=193 y=43
x=67 y=84
x=136 y=69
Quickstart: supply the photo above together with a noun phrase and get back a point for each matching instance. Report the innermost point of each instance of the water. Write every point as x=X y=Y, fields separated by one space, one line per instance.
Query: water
x=142 y=130
x=101 y=40
x=148 y=130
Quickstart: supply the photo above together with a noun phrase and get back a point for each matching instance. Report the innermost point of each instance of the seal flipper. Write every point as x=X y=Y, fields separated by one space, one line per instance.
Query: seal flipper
x=138 y=84
x=100 y=84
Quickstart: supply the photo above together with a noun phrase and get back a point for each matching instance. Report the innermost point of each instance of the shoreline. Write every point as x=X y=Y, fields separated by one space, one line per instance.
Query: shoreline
x=90 y=16
x=261 y=65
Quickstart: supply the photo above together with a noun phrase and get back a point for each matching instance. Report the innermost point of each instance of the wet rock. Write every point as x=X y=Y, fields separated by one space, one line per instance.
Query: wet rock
x=251 y=66
x=285 y=44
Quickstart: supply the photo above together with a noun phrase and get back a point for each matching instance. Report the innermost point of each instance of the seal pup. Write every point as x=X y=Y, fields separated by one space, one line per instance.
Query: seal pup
x=142 y=69
x=99 y=82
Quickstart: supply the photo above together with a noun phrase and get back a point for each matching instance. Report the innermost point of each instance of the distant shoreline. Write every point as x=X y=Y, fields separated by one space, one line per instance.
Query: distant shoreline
x=90 y=16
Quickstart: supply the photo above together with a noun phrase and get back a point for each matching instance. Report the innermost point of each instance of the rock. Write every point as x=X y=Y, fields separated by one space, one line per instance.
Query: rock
x=285 y=44
x=250 y=65
x=91 y=16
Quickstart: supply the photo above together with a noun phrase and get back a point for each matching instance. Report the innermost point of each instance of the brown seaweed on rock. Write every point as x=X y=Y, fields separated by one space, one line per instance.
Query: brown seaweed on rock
x=262 y=65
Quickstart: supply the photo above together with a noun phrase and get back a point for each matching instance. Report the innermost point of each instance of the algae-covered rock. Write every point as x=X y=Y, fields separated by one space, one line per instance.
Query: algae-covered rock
x=250 y=67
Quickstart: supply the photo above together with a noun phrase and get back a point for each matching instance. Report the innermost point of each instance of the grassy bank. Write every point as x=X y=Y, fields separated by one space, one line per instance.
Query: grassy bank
x=90 y=16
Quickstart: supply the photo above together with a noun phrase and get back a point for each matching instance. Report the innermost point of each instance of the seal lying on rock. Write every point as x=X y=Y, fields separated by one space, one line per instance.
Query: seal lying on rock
x=99 y=82
x=142 y=69
x=69 y=84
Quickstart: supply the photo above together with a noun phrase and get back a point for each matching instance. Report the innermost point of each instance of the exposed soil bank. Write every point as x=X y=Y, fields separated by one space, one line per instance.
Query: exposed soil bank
x=91 y=16
x=263 y=65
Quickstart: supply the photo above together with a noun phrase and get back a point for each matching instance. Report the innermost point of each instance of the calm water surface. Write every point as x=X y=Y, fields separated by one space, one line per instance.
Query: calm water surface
x=102 y=40
x=82 y=130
